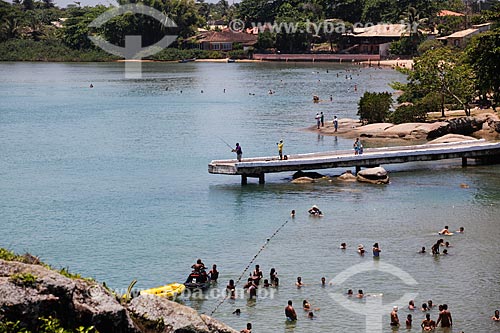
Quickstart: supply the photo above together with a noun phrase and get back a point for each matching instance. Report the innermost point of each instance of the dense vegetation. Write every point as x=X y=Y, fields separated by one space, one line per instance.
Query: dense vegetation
x=39 y=30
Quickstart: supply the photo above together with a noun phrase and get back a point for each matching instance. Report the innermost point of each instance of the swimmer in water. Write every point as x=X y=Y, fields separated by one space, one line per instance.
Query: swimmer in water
x=445 y=231
x=361 y=249
x=360 y=294
x=496 y=316
x=299 y=282
x=461 y=230
x=292 y=214
x=343 y=246
x=306 y=305
x=290 y=312
x=323 y=281
x=349 y=292
x=248 y=329
x=411 y=305
x=422 y=250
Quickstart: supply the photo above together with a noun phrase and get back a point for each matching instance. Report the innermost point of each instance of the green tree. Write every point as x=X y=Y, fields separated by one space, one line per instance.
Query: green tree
x=374 y=107
x=441 y=70
x=483 y=54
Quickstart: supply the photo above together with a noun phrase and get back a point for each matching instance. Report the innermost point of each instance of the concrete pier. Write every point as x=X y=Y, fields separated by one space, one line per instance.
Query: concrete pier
x=257 y=167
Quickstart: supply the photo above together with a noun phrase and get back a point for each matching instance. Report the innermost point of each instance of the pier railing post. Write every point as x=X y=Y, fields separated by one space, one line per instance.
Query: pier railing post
x=464 y=162
x=244 y=180
x=262 y=179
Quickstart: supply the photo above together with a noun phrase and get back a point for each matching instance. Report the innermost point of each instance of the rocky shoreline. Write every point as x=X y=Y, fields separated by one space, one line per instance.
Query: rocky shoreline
x=479 y=126
x=30 y=290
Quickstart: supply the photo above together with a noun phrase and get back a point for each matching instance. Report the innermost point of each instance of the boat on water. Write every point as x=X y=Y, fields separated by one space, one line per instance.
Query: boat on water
x=197 y=280
x=170 y=291
x=187 y=60
x=231 y=60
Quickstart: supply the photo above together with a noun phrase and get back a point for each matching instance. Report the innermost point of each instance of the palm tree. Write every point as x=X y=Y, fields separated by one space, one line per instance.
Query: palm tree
x=11 y=27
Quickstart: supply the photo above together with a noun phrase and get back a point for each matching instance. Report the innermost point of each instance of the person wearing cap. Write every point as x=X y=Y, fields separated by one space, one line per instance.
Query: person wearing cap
x=280 y=149
x=394 y=316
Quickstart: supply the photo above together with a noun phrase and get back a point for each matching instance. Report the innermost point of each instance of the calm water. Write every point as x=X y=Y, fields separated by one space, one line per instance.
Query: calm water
x=112 y=182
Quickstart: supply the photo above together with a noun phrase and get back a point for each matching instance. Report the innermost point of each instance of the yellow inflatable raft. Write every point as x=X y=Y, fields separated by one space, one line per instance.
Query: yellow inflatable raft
x=169 y=291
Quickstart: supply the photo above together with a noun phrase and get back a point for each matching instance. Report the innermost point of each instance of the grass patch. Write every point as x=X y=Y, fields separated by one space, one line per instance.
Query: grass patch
x=24 y=279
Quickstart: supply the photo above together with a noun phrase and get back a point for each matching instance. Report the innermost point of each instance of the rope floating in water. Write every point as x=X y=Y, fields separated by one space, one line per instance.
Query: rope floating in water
x=249 y=264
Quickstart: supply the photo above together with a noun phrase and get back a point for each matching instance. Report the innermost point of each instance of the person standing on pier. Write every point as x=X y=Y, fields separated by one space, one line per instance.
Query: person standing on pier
x=356 y=146
x=335 y=123
x=322 y=119
x=318 y=119
x=280 y=149
x=238 y=152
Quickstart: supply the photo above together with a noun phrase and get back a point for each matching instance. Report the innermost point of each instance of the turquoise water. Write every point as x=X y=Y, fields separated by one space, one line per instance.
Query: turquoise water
x=112 y=182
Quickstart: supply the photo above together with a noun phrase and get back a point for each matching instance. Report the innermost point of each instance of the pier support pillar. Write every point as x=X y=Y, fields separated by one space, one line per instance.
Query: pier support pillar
x=262 y=179
x=358 y=169
x=464 y=162
x=244 y=180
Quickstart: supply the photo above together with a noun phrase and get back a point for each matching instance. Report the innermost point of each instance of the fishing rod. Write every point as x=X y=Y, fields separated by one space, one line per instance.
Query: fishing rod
x=250 y=264
x=227 y=144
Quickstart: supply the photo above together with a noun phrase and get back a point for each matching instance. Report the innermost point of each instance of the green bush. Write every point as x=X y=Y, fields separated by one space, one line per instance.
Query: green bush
x=48 y=50
x=430 y=102
x=46 y=325
x=407 y=114
x=429 y=45
x=374 y=107
x=237 y=54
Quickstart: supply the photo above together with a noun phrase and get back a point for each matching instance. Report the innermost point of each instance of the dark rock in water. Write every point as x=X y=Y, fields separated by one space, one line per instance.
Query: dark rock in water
x=463 y=126
x=376 y=175
x=310 y=174
x=347 y=176
x=303 y=180
x=31 y=291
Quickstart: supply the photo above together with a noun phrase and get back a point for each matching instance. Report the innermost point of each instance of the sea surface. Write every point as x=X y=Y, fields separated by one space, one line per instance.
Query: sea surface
x=112 y=183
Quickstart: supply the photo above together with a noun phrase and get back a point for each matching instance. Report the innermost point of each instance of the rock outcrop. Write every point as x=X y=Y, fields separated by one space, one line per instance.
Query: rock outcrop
x=309 y=174
x=452 y=138
x=462 y=126
x=303 y=180
x=170 y=317
x=481 y=125
x=347 y=176
x=376 y=175
x=31 y=291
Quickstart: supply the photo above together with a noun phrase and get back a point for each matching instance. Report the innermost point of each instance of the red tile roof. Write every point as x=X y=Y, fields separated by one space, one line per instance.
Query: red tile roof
x=227 y=36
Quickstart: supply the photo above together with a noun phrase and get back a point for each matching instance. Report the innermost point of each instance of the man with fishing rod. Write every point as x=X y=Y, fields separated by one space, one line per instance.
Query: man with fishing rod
x=236 y=150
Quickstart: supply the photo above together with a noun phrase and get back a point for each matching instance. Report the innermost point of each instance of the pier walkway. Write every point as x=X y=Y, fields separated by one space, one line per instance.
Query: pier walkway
x=258 y=166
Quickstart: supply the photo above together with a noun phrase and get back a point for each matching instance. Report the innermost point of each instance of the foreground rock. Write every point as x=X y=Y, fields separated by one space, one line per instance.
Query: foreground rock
x=376 y=175
x=174 y=317
x=31 y=291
